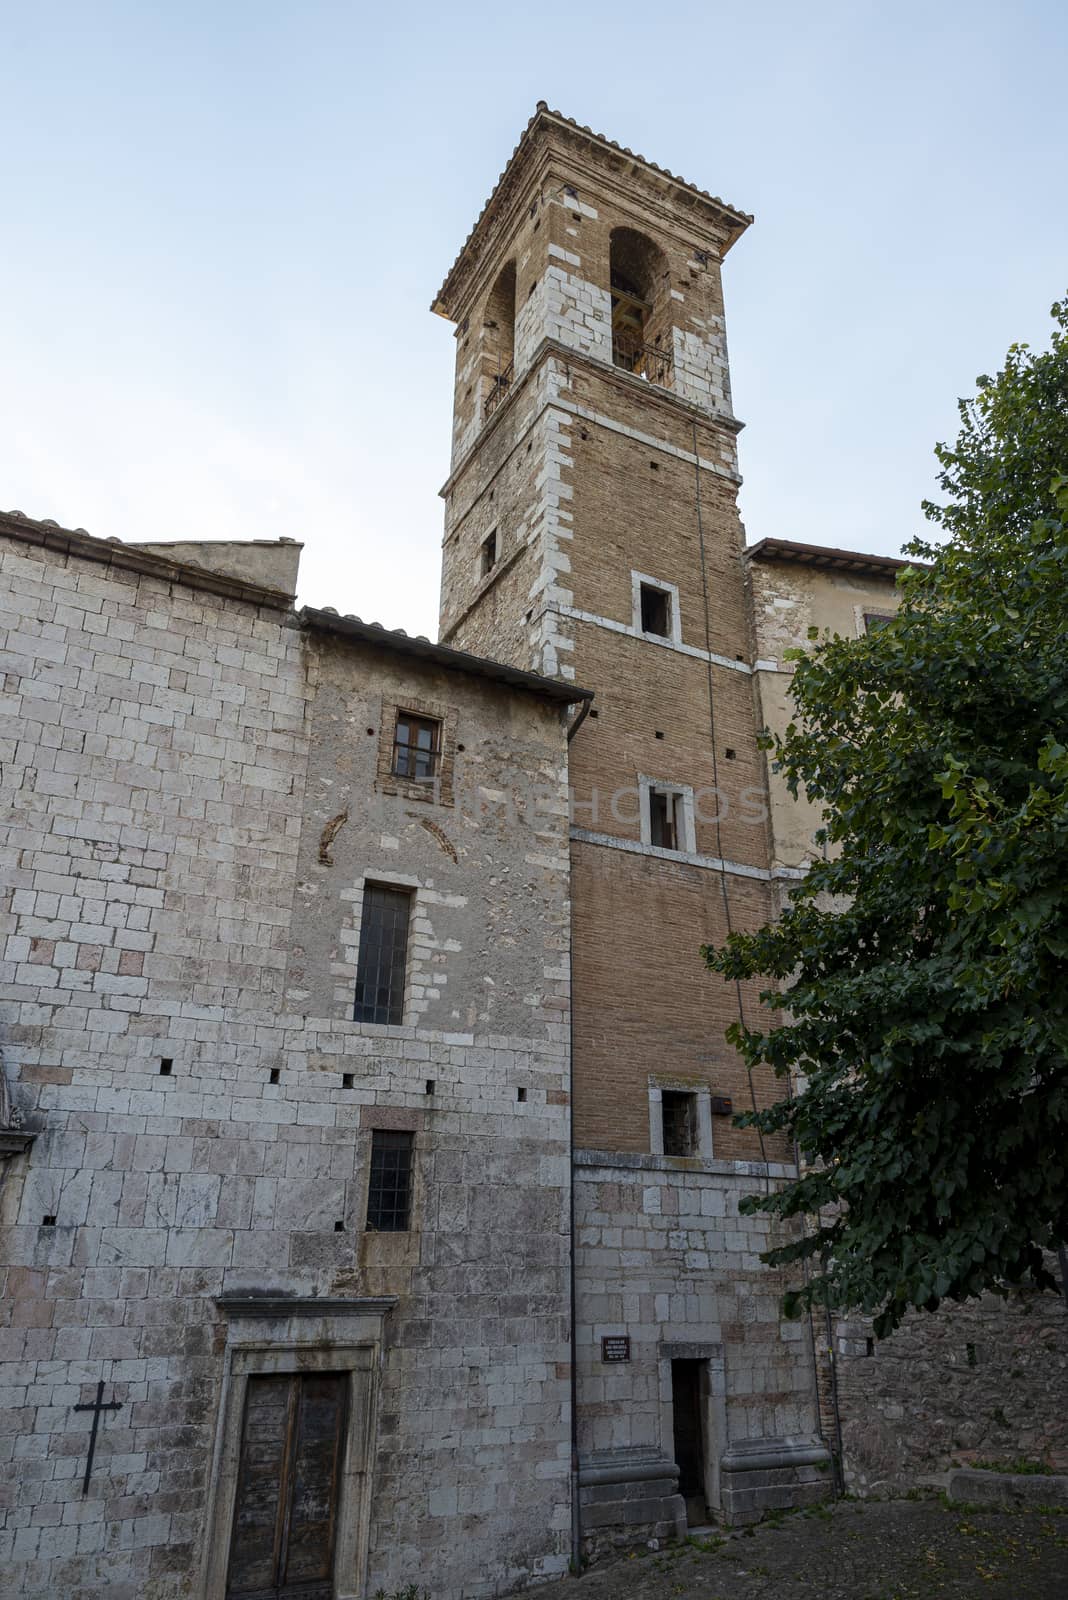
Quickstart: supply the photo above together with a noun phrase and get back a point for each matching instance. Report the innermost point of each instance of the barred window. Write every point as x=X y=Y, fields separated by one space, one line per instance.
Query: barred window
x=383 y=959
x=389 y=1194
x=416 y=747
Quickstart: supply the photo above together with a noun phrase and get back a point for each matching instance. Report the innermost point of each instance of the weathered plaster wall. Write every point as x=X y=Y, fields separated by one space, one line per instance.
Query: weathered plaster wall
x=167 y=772
x=787 y=600
x=274 y=563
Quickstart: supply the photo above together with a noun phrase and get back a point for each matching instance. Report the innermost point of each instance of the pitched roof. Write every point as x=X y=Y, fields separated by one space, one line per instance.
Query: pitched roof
x=543 y=114
x=441 y=655
x=817 y=555
x=138 y=558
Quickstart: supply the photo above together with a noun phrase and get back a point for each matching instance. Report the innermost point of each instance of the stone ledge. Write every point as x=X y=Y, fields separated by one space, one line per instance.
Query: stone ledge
x=636 y=1161
x=775 y=1455
x=14 y=1141
x=1010 y=1489
x=283 y=1305
x=625 y=1467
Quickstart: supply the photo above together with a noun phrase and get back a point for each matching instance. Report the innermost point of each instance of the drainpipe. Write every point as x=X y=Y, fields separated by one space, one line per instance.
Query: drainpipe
x=576 y=1529
x=584 y=711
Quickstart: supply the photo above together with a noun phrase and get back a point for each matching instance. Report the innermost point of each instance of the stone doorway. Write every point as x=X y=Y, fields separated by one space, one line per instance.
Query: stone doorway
x=312 y=1424
x=285 y=1510
x=688 y=1380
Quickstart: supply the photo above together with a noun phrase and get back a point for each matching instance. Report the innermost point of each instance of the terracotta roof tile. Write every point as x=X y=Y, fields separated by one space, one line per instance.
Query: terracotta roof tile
x=544 y=110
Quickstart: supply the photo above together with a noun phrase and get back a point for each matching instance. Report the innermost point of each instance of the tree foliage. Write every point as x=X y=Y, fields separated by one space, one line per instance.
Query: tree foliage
x=921 y=1008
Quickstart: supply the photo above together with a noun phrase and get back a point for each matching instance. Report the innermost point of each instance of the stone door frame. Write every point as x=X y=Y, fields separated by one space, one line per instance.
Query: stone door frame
x=281 y=1337
x=713 y=1392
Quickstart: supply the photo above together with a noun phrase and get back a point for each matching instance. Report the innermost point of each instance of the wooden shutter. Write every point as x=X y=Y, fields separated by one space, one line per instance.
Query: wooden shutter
x=285 y=1512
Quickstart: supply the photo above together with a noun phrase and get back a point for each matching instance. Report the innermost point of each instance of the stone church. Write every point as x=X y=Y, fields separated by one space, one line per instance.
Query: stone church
x=370 y=1185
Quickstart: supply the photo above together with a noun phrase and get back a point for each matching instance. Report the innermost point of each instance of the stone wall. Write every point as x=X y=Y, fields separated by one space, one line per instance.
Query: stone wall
x=177 y=1003
x=985 y=1380
x=664 y=1258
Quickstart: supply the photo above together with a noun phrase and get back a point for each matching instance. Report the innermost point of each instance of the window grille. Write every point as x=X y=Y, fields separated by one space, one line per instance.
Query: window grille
x=381 y=968
x=389 y=1195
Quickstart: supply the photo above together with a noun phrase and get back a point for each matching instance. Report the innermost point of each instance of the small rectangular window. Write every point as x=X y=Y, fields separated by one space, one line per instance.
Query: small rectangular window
x=663 y=821
x=874 y=620
x=679 y=1114
x=656 y=611
x=489 y=553
x=389 y=1194
x=416 y=748
x=380 y=971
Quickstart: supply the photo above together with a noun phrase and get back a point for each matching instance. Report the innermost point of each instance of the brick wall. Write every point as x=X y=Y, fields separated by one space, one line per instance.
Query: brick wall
x=626 y=477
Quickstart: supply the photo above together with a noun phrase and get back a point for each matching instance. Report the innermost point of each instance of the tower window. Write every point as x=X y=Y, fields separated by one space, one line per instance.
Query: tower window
x=667 y=815
x=489 y=553
x=641 y=307
x=389 y=1193
x=663 y=829
x=655 y=611
x=655 y=607
x=498 y=338
x=679 y=1118
x=416 y=747
x=383 y=958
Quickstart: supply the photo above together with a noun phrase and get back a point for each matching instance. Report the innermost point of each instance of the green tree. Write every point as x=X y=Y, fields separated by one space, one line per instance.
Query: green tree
x=920 y=1013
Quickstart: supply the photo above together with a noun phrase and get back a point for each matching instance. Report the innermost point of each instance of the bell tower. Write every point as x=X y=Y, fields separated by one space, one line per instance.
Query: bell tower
x=592 y=533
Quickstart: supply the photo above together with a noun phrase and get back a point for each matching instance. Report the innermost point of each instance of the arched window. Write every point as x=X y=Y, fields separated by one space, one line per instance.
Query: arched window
x=641 y=306
x=498 y=338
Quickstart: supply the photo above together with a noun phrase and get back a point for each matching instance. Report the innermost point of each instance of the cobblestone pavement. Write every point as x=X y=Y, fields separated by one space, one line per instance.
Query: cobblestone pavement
x=897 y=1550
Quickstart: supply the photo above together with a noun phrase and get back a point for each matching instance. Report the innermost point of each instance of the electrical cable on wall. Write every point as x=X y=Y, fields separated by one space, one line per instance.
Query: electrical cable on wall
x=715 y=778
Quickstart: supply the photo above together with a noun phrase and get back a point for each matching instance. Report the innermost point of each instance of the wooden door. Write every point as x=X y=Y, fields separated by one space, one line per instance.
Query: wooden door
x=285 y=1512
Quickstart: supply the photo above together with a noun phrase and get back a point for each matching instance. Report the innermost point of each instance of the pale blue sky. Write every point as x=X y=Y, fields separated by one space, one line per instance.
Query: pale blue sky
x=223 y=225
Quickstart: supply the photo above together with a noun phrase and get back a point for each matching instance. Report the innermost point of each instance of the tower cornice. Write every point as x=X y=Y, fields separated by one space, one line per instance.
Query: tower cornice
x=719 y=223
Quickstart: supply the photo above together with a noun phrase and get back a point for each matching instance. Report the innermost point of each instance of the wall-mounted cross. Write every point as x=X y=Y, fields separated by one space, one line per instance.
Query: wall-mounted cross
x=96 y=1407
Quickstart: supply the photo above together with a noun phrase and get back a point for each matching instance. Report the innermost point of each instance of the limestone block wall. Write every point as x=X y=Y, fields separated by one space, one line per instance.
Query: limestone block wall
x=153 y=758
x=565 y=307
x=516 y=483
x=176 y=1025
x=702 y=372
x=663 y=1257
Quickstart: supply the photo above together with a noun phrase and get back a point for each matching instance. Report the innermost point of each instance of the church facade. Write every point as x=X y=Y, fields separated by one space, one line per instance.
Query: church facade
x=370 y=1185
